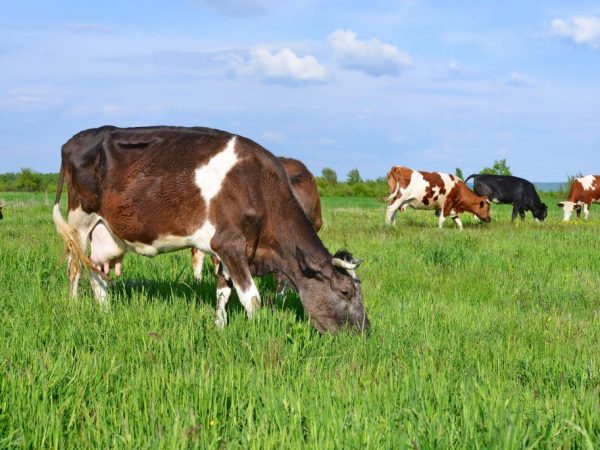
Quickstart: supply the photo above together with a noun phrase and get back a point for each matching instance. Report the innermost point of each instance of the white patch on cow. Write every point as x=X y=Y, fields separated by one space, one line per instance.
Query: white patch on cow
x=197 y=264
x=222 y=299
x=249 y=298
x=441 y=220
x=100 y=289
x=567 y=207
x=209 y=177
x=587 y=182
x=105 y=247
x=586 y=211
x=458 y=222
x=168 y=243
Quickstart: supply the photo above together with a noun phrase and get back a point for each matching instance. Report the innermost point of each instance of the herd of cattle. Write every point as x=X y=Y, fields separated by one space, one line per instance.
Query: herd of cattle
x=154 y=190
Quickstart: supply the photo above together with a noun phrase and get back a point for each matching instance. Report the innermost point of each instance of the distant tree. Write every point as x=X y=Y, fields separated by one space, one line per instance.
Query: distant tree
x=329 y=175
x=29 y=181
x=458 y=173
x=499 y=168
x=353 y=177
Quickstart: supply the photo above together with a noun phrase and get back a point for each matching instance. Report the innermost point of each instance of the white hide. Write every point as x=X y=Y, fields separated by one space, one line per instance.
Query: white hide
x=416 y=191
x=587 y=182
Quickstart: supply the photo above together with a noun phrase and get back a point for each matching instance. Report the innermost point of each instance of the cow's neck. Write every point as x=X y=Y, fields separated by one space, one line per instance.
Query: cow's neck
x=283 y=254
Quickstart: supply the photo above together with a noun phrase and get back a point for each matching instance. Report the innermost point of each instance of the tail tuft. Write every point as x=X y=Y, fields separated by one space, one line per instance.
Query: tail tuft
x=73 y=247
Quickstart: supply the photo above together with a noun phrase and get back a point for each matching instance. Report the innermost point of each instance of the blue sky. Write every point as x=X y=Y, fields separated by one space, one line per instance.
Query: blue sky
x=343 y=84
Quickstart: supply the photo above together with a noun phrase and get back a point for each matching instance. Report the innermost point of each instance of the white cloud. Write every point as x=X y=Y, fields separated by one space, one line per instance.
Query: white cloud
x=582 y=30
x=372 y=57
x=283 y=66
x=454 y=67
x=517 y=79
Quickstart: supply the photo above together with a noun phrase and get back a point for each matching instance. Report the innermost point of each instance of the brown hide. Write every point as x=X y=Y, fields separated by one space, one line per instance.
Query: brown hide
x=577 y=193
x=398 y=175
x=304 y=188
x=461 y=199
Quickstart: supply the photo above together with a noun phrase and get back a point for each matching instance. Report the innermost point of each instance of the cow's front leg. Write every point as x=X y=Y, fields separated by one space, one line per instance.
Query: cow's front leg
x=197 y=263
x=522 y=214
x=392 y=210
x=457 y=221
x=586 y=211
x=515 y=212
x=235 y=260
x=224 y=286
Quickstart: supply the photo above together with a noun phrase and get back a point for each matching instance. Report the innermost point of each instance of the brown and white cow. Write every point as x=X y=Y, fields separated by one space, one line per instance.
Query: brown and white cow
x=584 y=191
x=153 y=190
x=304 y=188
x=443 y=192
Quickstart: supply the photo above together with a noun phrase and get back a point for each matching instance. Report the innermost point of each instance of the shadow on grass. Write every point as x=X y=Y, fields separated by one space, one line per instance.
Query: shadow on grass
x=204 y=293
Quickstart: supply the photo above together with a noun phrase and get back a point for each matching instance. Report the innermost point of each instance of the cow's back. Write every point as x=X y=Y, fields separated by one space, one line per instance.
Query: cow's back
x=429 y=190
x=305 y=189
x=144 y=181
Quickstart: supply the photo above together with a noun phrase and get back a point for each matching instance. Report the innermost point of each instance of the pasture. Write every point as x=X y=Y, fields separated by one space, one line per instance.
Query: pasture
x=487 y=338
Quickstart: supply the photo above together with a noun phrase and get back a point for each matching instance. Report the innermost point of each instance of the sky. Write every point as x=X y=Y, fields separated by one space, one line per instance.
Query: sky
x=340 y=84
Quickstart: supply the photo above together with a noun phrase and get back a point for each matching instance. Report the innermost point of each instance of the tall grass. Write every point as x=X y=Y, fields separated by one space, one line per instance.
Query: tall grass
x=486 y=338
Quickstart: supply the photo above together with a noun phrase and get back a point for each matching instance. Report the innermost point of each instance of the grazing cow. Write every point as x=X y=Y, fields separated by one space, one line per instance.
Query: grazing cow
x=584 y=191
x=443 y=192
x=2 y=205
x=154 y=190
x=304 y=188
x=505 y=189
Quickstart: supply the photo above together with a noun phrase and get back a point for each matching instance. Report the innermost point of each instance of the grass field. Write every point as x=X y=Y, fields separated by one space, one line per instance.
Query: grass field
x=487 y=338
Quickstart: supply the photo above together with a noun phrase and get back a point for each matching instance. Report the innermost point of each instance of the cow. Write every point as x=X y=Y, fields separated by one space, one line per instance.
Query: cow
x=445 y=193
x=584 y=191
x=2 y=205
x=152 y=190
x=506 y=189
x=304 y=188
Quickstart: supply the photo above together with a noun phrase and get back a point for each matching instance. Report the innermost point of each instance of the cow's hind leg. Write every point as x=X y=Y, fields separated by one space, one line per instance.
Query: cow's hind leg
x=197 y=263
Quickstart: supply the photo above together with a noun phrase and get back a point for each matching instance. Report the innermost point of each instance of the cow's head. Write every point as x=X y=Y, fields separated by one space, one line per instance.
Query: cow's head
x=331 y=292
x=568 y=208
x=481 y=208
x=540 y=212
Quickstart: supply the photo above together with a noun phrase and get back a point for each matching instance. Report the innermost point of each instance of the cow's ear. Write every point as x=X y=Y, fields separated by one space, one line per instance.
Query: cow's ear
x=561 y=204
x=307 y=264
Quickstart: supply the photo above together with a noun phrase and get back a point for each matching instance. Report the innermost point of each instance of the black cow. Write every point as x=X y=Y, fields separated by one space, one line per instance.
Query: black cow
x=510 y=190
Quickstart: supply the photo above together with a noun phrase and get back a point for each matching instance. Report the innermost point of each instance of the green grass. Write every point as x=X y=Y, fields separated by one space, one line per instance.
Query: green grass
x=487 y=338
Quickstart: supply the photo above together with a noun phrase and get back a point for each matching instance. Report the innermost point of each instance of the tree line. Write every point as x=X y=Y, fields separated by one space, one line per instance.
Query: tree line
x=328 y=183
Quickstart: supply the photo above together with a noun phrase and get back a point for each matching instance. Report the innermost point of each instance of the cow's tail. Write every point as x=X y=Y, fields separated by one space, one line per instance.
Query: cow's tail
x=392 y=196
x=70 y=236
x=470 y=176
